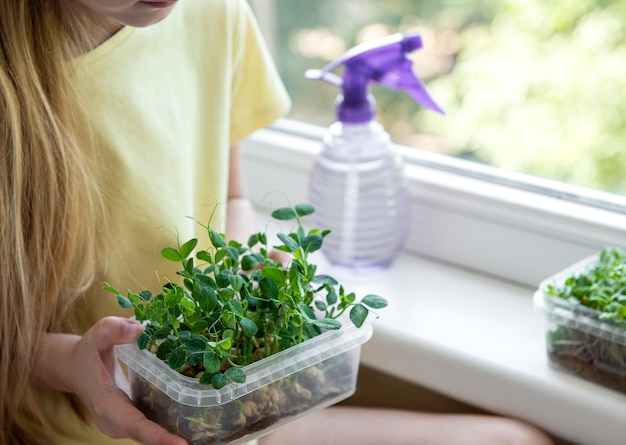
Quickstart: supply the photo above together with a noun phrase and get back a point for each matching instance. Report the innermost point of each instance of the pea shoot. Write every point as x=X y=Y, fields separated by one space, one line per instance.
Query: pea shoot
x=237 y=305
x=602 y=287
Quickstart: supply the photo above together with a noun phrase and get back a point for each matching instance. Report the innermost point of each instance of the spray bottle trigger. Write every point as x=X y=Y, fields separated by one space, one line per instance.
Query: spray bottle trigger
x=403 y=78
x=324 y=75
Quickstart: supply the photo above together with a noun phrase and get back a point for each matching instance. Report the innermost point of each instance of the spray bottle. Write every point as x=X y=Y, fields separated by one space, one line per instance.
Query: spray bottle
x=357 y=184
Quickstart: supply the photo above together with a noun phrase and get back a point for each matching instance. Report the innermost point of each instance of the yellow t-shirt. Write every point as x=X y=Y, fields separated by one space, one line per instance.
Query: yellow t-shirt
x=164 y=104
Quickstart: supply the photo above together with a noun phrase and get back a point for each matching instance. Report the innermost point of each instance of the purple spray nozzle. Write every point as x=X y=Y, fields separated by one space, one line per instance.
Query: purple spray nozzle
x=384 y=61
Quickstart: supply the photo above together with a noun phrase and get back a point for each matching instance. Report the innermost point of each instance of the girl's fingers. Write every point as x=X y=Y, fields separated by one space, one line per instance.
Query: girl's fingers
x=111 y=331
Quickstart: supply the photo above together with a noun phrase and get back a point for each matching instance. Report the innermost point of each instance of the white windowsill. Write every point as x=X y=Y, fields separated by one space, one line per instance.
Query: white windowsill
x=451 y=328
x=479 y=340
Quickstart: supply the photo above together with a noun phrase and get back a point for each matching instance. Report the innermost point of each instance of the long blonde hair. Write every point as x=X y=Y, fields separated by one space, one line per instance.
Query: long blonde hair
x=47 y=210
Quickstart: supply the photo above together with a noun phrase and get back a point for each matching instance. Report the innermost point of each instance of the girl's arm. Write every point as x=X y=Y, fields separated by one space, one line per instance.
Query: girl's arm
x=241 y=219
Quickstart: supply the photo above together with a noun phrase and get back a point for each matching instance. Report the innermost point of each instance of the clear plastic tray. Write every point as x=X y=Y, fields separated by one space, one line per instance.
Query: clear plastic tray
x=577 y=339
x=305 y=378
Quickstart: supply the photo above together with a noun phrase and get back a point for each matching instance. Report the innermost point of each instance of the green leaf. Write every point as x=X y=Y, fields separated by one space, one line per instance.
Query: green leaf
x=162 y=333
x=328 y=323
x=312 y=243
x=223 y=278
x=145 y=295
x=236 y=375
x=284 y=214
x=304 y=209
x=189 y=266
x=228 y=333
x=236 y=282
x=187 y=248
x=307 y=312
x=164 y=349
x=174 y=296
x=289 y=242
x=275 y=274
x=225 y=294
x=358 y=314
x=249 y=262
x=220 y=255
x=253 y=240
x=347 y=299
x=206 y=298
x=324 y=279
x=225 y=344
x=156 y=311
x=189 y=308
x=177 y=357
x=134 y=298
x=216 y=238
x=194 y=359
x=229 y=319
x=203 y=255
x=236 y=307
x=142 y=341
x=124 y=302
x=218 y=380
x=199 y=326
x=189 y=284
x=140 y=313
x=205 y=379
x=374 y=301
x=232 y=252
x=320 y=305
x=235 y=244
x=206 y=281
x=196 y=343
x=169 y=253
x=248 y=327
x=268 y=288
x=211 y=362
x=331 y=296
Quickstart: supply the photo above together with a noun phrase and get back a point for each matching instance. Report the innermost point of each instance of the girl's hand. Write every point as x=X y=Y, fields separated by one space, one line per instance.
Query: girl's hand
x=87 y=367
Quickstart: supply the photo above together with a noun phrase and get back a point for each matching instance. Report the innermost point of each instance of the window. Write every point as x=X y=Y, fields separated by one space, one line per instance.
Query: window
x=530 y=87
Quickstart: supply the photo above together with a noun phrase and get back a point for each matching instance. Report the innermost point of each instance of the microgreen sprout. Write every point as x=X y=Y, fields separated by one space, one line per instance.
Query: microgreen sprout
x=602 y=287
x=237 y=305
x=589 y=339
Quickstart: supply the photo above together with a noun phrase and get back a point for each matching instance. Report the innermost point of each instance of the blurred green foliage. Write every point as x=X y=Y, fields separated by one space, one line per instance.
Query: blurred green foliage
x=528 y=85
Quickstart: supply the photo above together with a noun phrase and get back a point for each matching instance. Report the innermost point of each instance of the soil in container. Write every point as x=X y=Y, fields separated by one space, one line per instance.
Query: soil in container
x=251 y=413
x=591 y=357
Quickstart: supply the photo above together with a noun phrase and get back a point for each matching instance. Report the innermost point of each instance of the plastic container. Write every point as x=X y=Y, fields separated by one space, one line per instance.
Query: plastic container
x=577 y=339
x=359 y=191
x=279 y=389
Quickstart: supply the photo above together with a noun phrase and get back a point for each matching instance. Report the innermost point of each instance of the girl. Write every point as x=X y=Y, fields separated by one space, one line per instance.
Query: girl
x=118 y=119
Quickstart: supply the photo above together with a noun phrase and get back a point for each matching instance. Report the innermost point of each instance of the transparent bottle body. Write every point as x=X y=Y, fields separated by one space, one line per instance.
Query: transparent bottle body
x=360 y=192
